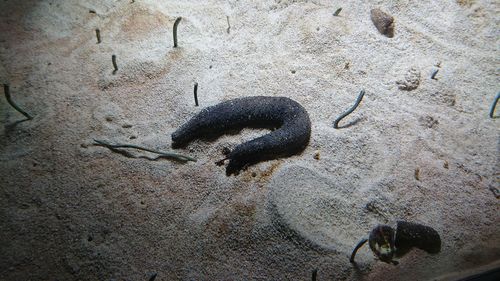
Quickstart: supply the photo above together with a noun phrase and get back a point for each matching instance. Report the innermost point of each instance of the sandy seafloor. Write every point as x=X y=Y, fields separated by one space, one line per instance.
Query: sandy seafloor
x=70 y=210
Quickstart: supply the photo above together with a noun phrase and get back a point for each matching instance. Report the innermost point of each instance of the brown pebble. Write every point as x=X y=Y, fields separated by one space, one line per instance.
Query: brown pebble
x=127 y=126
x=109 y=118
x=383 y=22
x=428 y=121
x=445 y=165
x=417 y=174
x=316 y=155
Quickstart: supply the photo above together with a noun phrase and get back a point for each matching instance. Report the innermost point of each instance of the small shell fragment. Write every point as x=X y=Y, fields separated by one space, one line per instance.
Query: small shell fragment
x=383 y=22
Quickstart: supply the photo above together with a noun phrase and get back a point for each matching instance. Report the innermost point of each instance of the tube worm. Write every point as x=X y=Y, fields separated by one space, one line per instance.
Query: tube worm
x=176 y=23
x=196 y=94
x=98 y=35
x=350 y=110
x=115 y=66
x=360 y=244
x=492 y=109
x=289 y=117
x=12 y=103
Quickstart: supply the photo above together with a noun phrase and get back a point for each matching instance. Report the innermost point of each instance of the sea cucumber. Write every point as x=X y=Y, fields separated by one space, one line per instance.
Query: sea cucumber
x=409 y=235
x=289 y=117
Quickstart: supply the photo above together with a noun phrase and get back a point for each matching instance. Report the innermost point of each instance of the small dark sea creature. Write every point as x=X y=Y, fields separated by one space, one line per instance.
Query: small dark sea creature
x=387 y=243
x=289 y=117
x=383 y=22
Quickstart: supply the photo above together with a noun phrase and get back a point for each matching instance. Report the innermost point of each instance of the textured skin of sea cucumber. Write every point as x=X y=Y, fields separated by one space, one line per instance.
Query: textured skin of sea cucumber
x=410 y=235
x=289 y=117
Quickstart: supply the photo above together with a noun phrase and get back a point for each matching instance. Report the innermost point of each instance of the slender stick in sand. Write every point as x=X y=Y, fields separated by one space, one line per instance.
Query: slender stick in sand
x=176 y=23
x=161 y=154
x=11 y=102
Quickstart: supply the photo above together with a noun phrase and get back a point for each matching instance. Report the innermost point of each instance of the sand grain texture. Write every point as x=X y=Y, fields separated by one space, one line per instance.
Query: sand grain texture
x=70 y=210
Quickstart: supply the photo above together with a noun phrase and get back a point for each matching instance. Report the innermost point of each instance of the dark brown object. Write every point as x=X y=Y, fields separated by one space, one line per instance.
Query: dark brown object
x=383 y=22
x=410 y=235
x=417 y=174
x=288 y=117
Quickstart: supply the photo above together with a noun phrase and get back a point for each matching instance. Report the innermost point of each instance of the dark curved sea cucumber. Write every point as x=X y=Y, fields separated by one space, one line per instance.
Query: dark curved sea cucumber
x=289 y=117
x=409 y=235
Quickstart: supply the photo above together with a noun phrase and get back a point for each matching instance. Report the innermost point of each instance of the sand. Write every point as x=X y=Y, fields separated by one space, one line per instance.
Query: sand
x=416 y=149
